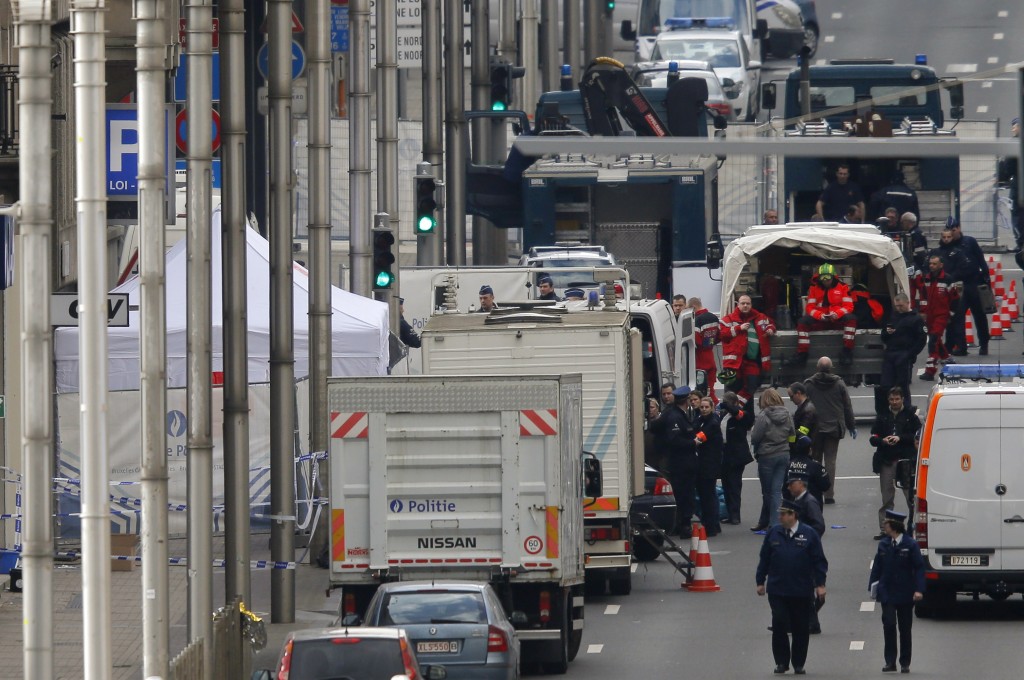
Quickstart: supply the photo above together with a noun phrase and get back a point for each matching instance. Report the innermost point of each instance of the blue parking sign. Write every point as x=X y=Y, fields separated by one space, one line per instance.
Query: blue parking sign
x=122 y=146
x=339 y=29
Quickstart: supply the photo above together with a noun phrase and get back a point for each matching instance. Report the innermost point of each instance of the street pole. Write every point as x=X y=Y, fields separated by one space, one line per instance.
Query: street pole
x=455 y=123
x=430 y=247
x=359 y=170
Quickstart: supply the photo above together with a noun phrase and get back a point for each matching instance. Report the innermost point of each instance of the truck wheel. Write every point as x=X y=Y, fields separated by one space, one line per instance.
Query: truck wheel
x=623 y=584
x=643 y=551
x=560 y=655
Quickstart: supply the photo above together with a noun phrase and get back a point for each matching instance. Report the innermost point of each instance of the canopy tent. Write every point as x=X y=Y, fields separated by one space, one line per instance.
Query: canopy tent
x=359 y=336
x=833 y=242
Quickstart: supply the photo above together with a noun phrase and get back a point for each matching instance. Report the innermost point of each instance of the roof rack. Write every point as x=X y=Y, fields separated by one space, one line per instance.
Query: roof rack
x=860 y=62
x=958 y=373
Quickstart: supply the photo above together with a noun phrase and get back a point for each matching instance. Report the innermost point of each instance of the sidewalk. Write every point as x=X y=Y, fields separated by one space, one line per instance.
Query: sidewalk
x=312 y=609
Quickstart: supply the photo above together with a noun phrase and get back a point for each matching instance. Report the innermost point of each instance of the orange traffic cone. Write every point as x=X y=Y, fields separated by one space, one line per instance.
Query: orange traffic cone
x=1014 y=309
x=695 y=530
x=995 y=328
x=703 y=577
x=1004 y=315
x=969 y=328
x=999 y=289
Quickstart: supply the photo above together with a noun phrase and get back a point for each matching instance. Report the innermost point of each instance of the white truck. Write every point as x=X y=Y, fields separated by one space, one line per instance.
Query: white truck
x=465 y=477
x=616 y=360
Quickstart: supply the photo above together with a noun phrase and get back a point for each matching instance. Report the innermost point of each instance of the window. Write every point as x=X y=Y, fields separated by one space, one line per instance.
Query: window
x=324 y=659
x=435 y=607
x=829 y=97
x=898 y=95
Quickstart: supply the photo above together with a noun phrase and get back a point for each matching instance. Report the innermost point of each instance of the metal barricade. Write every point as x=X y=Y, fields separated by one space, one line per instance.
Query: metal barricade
x=188 y=665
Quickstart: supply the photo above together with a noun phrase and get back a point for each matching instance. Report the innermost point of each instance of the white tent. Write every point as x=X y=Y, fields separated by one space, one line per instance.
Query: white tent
x=359 y=336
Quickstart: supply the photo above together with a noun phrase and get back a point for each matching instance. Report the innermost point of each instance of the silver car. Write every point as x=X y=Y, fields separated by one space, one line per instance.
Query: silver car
x=458 y=624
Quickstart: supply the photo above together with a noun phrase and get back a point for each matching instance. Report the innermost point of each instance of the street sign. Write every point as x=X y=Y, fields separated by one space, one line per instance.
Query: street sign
x=299 y=96
x=64 y=309
x=339 y=28
x=298 y=60
x=181 y=79
x=181 y=130
x=181 y=173
x=122 y=148
x=297 y=26
x=183 y=34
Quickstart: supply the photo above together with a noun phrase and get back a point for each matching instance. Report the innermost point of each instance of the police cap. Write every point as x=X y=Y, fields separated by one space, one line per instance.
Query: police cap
x=681 y=391
x=486 y=290
x=574 y=294
x=789 y=506
x=894 y=516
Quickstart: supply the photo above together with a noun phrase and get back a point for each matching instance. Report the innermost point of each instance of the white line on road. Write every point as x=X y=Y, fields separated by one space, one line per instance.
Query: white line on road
x=997 y=36
x=830 y=38
x=868 y=606
x=982 y=109
x=962 y=68
x=1003 y=14
x=993 y=60
x=820 y=62
x=987 y=84
x=594 y=649
x=611 y=609
x=633 y=567
x=856 y=645
x=837 y=15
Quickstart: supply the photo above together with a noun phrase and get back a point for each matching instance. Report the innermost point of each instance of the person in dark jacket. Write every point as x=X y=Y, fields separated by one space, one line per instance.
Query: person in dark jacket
x=735 y=452
x=805 y=418
x=770 y=437
x=678 y=434
x=709 y=465
x=801 y=463
x=896 y=195
x=904 y=335
x=975 y=274
x=897 y=577
x=955 y=264
x=809 y=512
x=831 y=400
x=546 y=289
x=893 y=436
x=405 y=332
x=792 y=570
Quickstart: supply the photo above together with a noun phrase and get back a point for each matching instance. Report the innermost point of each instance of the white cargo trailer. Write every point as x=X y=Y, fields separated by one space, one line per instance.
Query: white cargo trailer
x=477 y=477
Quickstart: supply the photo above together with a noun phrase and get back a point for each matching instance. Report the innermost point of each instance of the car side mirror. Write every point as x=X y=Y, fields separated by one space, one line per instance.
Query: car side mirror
x=592 y=482
x=720 y=122
x=713 y=252
x=627 y=31
x=768 y=96
x=956 y=101
x=754 y=65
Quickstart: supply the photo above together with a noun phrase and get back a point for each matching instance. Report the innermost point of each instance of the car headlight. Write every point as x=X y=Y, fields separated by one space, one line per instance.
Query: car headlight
x=787 y=17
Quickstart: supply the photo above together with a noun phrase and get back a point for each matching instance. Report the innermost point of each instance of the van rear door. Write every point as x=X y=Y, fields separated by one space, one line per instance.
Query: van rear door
x=964 y=514
x=1011 y=436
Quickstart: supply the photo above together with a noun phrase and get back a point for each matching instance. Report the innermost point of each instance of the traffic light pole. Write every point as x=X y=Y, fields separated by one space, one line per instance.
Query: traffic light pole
x=455 y=122
x=429 y=248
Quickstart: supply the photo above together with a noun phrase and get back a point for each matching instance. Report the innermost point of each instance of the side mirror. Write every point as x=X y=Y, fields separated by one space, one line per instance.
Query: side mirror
x=713 y=252
x=720 y=122
x=592 y=481
x=518 y=618
x=754 y=65
x=351 y=620
x=761 y=29
x=956 y=101
x=768 y=96
x=627 y=31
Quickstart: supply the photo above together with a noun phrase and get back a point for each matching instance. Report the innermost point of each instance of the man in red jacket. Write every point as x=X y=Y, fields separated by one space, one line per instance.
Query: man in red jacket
x=705 y=338
x=829 y=306
x=746 y=348
x=939 y=296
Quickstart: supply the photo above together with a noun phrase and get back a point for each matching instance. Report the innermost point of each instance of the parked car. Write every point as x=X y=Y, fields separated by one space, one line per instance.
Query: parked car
x=811 y=27
x=726 y=53
x=659 y=503
x=350 y=652
x=562 y=255
x=785 y=28
x=460 y=624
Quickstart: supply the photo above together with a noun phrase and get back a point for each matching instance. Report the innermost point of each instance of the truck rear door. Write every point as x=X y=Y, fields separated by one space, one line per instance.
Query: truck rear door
x=1011 y=446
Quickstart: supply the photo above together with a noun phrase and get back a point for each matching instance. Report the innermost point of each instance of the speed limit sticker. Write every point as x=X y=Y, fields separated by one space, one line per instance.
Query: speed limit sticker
x=533 y=545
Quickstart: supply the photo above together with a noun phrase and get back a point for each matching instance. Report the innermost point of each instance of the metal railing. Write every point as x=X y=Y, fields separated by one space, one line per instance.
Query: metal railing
x=237 y=633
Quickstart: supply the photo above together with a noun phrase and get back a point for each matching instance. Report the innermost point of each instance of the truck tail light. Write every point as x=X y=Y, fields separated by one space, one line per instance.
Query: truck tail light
x=349 y=603
x=496 y=640
x=721 y=108
x=604 y=534
x=662 y=487
x=545 y=606
x=286 y=661
x=921 y=523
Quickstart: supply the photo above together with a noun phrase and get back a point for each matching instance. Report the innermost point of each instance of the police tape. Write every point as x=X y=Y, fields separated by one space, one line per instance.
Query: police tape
x=183 y=561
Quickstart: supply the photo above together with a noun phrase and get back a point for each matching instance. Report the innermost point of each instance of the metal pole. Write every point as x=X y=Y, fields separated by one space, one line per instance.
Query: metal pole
x=484 y=233
x=318 y=48
x=387 y=134
x=455 y=124
x=529 y=57
x=282 y=323
x=430 y=249
x=359 y=146
x=550 y=65
x=591 y=31
x=32 y=28
x=87 y=27
x=237 y=548
x=571 y=37
x=199 y=321
x=151 y=54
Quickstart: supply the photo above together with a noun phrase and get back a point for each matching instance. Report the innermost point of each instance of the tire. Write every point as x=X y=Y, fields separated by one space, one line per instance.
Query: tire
x=811 y=38
x=621 y=585
x=643 y=551
x=559 y=651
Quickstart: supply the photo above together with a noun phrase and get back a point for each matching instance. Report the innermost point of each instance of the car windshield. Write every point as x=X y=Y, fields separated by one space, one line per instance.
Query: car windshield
x=401 y=609
x=346 y=657
x=719 y=53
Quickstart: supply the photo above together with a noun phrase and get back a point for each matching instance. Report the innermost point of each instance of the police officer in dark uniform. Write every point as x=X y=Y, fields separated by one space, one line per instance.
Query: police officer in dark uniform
x=904 y=335
x=677 y=433
x=405 y=332
x=546 y=289
x=897 y=582
x=974 y=274
x=802 y=465
x=897 y=195
x=792 y=571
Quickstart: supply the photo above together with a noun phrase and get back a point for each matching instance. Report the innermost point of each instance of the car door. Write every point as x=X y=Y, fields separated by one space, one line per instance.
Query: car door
x=1011 y=446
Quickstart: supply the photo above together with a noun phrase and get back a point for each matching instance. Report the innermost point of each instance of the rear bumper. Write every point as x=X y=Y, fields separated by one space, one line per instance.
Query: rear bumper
x=980 y=581
x=617 y=561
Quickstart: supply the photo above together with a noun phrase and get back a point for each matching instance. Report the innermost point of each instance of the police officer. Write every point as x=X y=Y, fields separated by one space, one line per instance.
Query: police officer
x=791 y=570
x=677 y=434
x=904 y=336
x=809 y=512
x=546 y=289
x=405 y=332
x=487 y=303
x=974 y=274
x=897 y=582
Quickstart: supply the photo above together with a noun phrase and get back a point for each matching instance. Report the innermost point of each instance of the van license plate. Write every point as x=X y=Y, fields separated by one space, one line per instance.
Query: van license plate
x=968 y=560
x=437 y=646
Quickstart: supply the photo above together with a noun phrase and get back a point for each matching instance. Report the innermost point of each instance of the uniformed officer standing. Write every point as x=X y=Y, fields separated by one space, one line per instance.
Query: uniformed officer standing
x=898 y=571
x=676 y=433
x=792 y=570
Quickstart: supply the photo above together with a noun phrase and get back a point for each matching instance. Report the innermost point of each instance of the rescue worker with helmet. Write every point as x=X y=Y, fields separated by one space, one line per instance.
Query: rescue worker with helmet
x=939 y=299
x=745 y=334
x=829 y=306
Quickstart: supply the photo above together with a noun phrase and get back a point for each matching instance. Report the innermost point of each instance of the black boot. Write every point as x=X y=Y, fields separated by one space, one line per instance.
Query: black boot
x=846 y=357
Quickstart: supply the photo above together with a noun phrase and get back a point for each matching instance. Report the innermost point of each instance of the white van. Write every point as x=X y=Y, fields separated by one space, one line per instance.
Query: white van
x=969 y=516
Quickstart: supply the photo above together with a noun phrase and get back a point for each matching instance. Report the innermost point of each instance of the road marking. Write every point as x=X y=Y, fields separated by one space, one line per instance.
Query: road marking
x=633 y=567
x=820 y=62
x=961 y=68
x=997 y=36
x=982 y=109
x=837 y=15
x=611 y=609
x=856 y=645
x=868 y=606
x=1003 y=14
x=594 y=649
x=830 y=38
x=987 y=84
x=993 y=60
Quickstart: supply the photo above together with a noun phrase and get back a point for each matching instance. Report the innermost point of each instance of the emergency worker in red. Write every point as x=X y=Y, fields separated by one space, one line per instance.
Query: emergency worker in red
x=705 y=337
x=938 y=300
x=746 y=348
x=869 y=311
x=829 y=306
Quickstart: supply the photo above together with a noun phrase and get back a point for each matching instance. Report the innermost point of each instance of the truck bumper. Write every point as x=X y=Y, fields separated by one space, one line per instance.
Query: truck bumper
x=546 y=634
x=609 y=561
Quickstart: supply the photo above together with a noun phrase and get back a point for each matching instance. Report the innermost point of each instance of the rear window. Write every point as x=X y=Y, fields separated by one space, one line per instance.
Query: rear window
x=434 y=607
x=329 y=658
x=899 y=95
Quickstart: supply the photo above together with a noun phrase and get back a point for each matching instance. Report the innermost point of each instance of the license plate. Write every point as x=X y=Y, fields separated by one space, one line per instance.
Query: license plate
x=967 y=560
x=437 y=646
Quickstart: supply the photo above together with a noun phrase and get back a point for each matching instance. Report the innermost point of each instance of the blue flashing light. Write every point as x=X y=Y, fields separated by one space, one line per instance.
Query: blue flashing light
x=921 y=59
x=673 y=67
x=566 y=69
x=720 y=22
x=674 y=23
x=983 y=371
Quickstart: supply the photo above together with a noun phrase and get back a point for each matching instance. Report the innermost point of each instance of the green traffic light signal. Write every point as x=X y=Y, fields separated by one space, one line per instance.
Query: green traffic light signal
x=499 y=106
x=426 y=204
x=383 y=257
x=383 y=280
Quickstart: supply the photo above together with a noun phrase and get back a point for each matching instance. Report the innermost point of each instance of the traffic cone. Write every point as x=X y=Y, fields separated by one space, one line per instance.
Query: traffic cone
x=1014 y=309
x=969 y=329
x=1000 y=285
x=995 y=328
x=695 y=530
x=703 y=577
x=1004 y=315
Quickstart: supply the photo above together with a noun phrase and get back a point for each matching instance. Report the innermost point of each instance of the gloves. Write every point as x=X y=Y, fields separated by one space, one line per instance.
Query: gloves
x=853 y=433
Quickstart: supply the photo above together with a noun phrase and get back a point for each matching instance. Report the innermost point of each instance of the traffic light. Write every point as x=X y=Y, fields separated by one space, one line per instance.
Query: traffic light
x=609 y=7
x=383 y=258
x=426 y=204
x=502 y=75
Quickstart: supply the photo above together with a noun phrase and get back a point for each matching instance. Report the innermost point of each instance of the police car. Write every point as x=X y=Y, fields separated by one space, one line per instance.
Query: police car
x=562 y=255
